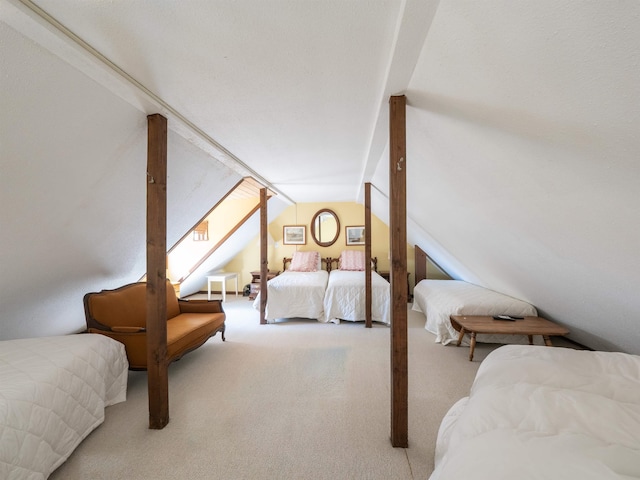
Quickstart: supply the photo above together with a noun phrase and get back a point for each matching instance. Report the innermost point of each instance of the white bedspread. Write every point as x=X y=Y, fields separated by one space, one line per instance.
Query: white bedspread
x=439 y=299
x=295 y=295
x=345 y=297
x=545 y=413
x=53 y=392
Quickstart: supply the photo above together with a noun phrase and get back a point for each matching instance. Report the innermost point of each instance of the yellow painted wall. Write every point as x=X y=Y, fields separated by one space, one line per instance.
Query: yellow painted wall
x=349 y=214
x=222 y=219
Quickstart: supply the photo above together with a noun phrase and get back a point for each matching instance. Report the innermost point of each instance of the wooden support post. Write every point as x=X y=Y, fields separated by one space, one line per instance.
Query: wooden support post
x=158 y=381
x=367 y=255
x=398 y=275
x=264 y=265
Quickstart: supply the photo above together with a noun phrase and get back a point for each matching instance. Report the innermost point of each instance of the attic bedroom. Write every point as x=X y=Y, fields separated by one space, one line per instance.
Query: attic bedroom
x=521 y=170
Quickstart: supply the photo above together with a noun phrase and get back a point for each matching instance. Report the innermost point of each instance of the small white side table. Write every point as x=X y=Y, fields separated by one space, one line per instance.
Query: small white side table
x=222 y=278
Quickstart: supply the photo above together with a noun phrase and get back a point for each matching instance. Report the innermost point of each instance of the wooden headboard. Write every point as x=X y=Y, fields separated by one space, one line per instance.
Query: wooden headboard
x=331 y=261
x=421 y=259
x=324 y=261
x=328 y=263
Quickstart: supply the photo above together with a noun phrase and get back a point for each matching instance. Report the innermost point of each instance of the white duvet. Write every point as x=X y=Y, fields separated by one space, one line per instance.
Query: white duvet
x=53 y=392
x=295 y=295
x=439 y=299
x=345 y=297
x=545 y=413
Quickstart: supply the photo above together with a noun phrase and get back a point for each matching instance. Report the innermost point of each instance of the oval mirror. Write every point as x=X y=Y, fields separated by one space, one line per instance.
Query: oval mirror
x=325 y=227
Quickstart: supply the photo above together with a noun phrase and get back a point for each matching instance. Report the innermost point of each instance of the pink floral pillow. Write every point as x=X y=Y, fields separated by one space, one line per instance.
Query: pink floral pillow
x=305 y=262
x=352 y=260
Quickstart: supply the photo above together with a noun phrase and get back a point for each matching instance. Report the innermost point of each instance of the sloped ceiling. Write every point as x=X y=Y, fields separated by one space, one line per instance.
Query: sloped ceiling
x=521 y=134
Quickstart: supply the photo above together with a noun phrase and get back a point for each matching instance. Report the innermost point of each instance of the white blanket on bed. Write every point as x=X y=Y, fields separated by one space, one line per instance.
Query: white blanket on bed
x=53 y=392
x=439 y=299
x=345 y=298
x=295 y=295
x=545 y=413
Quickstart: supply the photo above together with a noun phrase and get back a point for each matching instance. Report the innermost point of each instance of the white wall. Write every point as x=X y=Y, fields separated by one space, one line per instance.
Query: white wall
x=72 y=189
x=523 y=146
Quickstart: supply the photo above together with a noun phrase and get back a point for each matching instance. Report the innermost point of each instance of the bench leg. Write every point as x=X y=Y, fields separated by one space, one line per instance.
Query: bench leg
x=473 y=346
x=530 y=339
x=547 y=340
x=460 y=337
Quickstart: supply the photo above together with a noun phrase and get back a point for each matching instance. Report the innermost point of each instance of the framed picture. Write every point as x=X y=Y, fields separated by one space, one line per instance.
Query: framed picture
x=294 y=235
x=355 y=235
x=201 y=232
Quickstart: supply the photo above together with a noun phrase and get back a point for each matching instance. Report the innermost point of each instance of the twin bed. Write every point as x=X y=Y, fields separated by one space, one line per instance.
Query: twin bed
x=306 y=290
x=439 y=299
x=345 y=297
x=295 y=294
x=545 y=413
x=53 y=392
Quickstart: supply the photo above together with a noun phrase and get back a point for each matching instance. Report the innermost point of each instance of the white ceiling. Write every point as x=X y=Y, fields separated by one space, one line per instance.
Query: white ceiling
x=292 y=89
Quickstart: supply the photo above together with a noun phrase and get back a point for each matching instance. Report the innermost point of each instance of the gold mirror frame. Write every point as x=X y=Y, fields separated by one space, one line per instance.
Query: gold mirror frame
x=316 y=230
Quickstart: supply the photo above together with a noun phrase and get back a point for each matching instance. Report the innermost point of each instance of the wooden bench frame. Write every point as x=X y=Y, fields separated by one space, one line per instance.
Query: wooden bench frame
x=530 y=326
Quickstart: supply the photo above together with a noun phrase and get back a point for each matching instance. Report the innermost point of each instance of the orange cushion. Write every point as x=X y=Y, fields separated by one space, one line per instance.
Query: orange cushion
x=173 y=309
x=189 y=330
x=127 y=306
x=122 y=307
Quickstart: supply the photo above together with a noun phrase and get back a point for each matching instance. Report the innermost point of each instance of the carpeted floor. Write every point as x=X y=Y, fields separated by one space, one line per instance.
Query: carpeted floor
x=293 y=400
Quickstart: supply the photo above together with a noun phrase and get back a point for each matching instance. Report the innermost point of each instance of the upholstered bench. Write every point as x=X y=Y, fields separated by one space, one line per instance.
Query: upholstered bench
x=121 y=315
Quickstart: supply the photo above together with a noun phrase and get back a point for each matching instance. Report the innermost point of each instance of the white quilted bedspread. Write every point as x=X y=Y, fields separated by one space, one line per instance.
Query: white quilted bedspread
x=545 y=413
x=295 y=295
x=345 y=297
x=439 y=299
x=53 y=392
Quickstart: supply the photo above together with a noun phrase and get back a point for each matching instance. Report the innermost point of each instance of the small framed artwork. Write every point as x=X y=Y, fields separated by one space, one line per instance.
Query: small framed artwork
x=294 y=235
x=201 y=232
x=355 y=235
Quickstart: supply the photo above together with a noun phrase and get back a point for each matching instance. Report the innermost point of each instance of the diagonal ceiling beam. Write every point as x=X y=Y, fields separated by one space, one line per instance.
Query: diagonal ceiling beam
x=411 y=33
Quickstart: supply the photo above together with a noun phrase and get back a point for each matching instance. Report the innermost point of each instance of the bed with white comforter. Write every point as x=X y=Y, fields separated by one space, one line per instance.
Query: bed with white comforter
x=295 y=295
x=53 y=392
x=545 y=413
x=439 y=299
x=345 y=297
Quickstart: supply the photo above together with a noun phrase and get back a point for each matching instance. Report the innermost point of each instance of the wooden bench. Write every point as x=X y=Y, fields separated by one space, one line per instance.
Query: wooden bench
x=530 y=326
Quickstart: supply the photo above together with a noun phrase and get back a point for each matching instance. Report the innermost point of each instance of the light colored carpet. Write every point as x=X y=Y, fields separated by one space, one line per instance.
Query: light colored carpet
x=293 y=400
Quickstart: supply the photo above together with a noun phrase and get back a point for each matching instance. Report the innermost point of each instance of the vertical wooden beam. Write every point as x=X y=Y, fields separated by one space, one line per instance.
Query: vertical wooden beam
x=264 y=265
x=398 y=276
x=158 y=381
x=367 y=255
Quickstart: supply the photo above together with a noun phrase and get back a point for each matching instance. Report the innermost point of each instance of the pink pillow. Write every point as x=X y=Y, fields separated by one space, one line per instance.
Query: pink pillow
x=304 y=262
x=352 y=260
